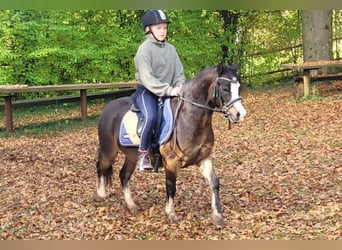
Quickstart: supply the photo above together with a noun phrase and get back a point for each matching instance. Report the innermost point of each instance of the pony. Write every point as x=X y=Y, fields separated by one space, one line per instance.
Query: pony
x=214 y=89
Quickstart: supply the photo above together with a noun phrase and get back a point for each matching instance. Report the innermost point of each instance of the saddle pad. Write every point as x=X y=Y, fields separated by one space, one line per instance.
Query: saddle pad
x=128 y=128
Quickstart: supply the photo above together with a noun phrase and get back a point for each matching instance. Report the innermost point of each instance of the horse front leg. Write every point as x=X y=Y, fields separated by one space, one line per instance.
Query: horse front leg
x=171 y=177
x=207 y=170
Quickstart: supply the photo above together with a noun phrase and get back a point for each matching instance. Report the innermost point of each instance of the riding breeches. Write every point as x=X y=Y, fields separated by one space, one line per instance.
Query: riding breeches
x=147 y=103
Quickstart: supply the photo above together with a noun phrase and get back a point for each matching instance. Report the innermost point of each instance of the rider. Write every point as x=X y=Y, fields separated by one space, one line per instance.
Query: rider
x=159 y=73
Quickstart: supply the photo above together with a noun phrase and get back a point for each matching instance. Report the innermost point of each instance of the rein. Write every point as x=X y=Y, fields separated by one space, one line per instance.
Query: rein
x=224 y=110
x=217 y=94
x=201 y=105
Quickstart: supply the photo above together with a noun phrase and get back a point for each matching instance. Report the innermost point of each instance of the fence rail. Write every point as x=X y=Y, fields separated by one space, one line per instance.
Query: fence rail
x=269 y=61
x=8 y=91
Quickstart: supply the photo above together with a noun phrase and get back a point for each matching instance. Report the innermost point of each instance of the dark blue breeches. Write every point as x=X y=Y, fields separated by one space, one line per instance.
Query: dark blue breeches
x=147 y=103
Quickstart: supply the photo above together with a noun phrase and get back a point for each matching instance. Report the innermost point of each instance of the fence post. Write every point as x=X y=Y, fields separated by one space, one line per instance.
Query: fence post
x=306 y=82
x=83 y=97
x=8 y=114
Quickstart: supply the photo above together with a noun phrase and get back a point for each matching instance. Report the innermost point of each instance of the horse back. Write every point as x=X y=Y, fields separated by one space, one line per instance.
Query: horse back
x=110 y=119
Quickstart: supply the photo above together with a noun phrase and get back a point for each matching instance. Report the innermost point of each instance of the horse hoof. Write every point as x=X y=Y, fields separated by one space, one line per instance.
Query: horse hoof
x=134 y=210
x=97 y=197
x=217 y=220
x=173 y=218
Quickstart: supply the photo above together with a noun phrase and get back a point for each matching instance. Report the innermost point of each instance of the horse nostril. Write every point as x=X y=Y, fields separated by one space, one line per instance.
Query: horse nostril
x=238 y=115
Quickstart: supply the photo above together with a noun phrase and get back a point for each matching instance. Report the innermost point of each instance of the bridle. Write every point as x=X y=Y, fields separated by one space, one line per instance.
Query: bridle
x=224 y=108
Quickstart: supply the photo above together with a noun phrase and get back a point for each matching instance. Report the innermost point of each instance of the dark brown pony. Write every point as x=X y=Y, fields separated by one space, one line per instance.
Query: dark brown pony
x=213 y=89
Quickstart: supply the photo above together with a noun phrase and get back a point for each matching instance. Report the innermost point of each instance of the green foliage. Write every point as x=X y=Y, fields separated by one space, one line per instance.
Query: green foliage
x=273 y=31
x=193 y=34
x=56 y=47
x=337 y=34
x=46 y=47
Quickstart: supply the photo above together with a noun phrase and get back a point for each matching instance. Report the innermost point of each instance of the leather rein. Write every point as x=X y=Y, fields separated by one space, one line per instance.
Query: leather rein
x=224 y=110
x=217 y=94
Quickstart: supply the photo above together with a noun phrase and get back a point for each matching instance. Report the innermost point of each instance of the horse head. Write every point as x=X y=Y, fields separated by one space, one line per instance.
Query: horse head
x=226 y=92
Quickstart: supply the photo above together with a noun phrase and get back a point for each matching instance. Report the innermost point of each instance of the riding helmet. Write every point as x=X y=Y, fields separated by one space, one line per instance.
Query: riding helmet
x=152 y=17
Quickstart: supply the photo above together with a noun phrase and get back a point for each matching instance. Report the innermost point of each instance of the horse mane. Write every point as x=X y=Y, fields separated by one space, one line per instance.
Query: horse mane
x=207 y=74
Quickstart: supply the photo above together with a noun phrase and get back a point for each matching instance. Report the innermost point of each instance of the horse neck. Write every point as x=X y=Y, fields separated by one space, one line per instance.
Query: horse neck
x=192 y=121
x=198 y=91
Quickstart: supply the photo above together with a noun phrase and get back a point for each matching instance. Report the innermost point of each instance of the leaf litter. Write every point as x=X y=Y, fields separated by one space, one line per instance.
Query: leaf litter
x=280 y=173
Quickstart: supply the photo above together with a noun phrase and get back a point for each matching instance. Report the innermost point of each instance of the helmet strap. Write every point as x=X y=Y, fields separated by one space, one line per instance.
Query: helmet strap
x=150 y=32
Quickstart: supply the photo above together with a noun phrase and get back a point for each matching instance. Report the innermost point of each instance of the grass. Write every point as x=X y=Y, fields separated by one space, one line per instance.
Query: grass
x=48 y=120
x=50 y=127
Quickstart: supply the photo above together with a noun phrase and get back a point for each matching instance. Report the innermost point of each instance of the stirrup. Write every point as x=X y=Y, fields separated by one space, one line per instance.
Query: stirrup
x=144 y=162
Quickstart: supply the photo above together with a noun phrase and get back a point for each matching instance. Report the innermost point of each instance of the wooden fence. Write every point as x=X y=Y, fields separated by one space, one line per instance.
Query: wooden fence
x=8 y=91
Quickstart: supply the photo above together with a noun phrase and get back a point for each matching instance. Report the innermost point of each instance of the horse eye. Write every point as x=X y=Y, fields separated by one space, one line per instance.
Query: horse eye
x=225 y=87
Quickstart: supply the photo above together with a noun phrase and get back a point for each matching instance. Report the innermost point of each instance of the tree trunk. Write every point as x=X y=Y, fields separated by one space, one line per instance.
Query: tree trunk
x=230 y=26
x=317 y=35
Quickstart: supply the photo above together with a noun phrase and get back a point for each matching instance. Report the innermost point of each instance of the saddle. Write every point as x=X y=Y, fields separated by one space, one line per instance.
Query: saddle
x=133 y=122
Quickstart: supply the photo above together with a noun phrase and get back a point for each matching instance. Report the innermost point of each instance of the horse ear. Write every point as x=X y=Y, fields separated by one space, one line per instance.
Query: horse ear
x=220 y=68
x=235 y=67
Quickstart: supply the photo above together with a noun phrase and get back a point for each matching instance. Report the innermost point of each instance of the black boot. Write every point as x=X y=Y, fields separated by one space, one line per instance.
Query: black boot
x=144 y=162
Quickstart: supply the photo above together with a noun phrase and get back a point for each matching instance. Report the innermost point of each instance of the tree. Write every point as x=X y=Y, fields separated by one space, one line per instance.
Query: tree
x=317 y=35
x=39 y=47
x=230 y=28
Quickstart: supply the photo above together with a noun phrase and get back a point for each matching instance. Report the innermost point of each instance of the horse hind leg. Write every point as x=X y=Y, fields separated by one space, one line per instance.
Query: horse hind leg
x=208 y=172
x=104 y=176
x=125 y=175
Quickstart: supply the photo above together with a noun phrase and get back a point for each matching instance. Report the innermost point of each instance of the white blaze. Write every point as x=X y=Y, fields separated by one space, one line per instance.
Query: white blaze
x=234 y=89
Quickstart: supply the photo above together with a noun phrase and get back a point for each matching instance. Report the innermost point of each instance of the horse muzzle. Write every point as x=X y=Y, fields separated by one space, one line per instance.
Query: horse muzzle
x=235 y=111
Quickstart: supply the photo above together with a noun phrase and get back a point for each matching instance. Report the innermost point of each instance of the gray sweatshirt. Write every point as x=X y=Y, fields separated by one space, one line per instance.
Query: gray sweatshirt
x=158 y=67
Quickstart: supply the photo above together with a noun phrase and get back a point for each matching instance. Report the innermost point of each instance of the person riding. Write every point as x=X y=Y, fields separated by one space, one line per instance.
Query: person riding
x=159 y=73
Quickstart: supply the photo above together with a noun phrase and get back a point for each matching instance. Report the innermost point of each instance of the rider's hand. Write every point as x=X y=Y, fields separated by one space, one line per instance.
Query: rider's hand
x=176 y=91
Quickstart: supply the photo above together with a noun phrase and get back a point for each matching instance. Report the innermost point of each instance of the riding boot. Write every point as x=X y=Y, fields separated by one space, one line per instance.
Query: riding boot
x=144 y=162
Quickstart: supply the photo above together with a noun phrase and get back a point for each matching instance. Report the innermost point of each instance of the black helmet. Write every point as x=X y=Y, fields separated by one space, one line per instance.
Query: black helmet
x=152 y=17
